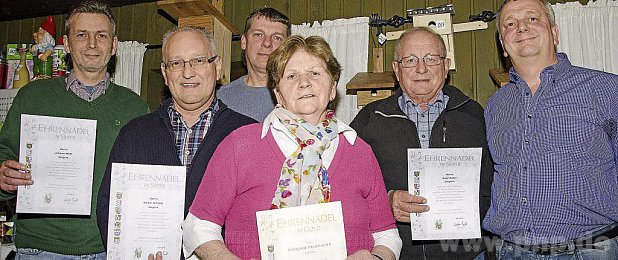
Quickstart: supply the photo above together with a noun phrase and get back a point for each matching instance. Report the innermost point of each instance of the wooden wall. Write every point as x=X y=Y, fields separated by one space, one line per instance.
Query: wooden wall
x=139 y=22
x=476 y=52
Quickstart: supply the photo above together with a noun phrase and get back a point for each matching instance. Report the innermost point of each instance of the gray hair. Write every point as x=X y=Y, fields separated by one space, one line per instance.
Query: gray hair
x=412 y=30
x=548 y=10
x=200 y=30
x=92 y=7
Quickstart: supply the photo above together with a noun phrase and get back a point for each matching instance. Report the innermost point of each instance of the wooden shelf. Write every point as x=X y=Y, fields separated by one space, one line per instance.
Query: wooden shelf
x=188 y=8
x=371 y=86
x=372 y=80
x=499 y=76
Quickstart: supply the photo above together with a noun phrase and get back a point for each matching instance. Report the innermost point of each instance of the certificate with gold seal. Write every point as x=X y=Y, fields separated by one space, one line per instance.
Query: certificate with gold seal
x=59 y=153
x=449 y=179
x=310 y=232
x=146 y=209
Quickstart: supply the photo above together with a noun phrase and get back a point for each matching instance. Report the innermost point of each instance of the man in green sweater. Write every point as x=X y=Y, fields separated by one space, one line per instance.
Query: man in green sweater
x=86 y=93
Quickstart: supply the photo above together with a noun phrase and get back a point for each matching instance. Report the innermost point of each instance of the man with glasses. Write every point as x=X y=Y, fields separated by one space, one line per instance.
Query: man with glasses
x=423 y=113
x=186 y=128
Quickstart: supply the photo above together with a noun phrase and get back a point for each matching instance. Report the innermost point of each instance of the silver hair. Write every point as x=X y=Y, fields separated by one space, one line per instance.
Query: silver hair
x=408 y=32
x=200 y=30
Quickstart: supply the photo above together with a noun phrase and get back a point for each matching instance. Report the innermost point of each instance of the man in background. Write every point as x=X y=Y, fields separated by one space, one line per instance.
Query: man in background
x=265 y=29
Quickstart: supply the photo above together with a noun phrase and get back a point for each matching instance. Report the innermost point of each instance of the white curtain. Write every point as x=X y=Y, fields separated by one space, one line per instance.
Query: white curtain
x=129 y=62
x=349 y=40
x=588 y=34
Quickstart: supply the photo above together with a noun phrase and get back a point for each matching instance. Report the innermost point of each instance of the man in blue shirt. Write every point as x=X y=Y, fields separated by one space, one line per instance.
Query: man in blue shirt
x=553 y=135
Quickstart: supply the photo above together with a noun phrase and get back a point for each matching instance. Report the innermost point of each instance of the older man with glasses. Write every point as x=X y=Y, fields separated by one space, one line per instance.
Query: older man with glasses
x=423 y=113
x=186 y=128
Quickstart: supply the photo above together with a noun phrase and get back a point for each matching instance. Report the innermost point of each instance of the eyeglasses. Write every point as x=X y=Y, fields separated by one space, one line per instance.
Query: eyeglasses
x=412 y=61
x=195 y=63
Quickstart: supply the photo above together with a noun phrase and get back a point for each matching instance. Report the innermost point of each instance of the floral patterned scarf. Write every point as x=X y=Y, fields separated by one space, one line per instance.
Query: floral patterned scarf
x=304 y=179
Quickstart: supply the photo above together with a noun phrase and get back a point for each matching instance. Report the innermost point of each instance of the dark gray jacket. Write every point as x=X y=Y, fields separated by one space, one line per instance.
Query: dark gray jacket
x=390 y=133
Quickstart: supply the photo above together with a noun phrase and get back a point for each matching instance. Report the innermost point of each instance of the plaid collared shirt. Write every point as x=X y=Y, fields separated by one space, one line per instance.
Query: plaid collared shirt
x=88 y=93
x=188 y=139
x=424 y=120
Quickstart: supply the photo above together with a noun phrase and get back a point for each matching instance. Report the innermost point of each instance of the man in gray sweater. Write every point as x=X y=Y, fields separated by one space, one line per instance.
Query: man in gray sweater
x=265 y=29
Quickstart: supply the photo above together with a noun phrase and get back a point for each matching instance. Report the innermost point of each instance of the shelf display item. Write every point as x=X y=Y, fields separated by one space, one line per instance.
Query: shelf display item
x=22 y=76
x=44 y=39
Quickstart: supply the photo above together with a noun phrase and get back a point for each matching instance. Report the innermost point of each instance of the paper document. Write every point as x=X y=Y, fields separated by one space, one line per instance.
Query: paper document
x=146 y=210
x=311 y=232
x=449 y=179
x=59 y=152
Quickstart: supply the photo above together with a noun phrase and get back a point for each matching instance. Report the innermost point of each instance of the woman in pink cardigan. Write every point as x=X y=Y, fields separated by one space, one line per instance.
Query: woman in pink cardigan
x=300 y=155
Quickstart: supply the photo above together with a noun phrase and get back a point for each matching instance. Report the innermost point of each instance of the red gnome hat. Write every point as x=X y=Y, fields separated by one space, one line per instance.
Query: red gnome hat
x=49 y=26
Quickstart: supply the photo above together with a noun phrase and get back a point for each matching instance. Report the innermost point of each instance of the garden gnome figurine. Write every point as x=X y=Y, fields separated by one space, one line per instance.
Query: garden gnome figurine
x=44 y=39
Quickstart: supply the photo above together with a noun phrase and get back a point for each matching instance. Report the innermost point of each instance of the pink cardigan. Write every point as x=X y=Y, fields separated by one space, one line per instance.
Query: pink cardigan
x=241 y=179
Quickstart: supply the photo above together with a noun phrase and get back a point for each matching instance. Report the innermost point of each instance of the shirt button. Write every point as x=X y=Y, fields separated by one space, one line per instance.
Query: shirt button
x=187 y=152
x=529 y=115
x=190 y=131
x=527 y=141
x=423 y=136
x=524 y=200
x=423 y=115
x=527 y=93
x=525 y=168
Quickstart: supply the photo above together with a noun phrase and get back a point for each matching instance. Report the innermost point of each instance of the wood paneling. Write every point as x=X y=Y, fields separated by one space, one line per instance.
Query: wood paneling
x=476 y=52
x=16 y=9
x=139 y=22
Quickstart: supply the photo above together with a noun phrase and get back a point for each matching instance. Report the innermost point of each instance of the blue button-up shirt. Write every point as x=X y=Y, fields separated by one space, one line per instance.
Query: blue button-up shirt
x=555 y=155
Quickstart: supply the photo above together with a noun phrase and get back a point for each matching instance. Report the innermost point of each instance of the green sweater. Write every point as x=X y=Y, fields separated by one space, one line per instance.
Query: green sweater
x=64 y=234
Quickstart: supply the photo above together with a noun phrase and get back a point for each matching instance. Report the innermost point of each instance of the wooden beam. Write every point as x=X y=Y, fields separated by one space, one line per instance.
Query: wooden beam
x=187 y=8
x=17 y=10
